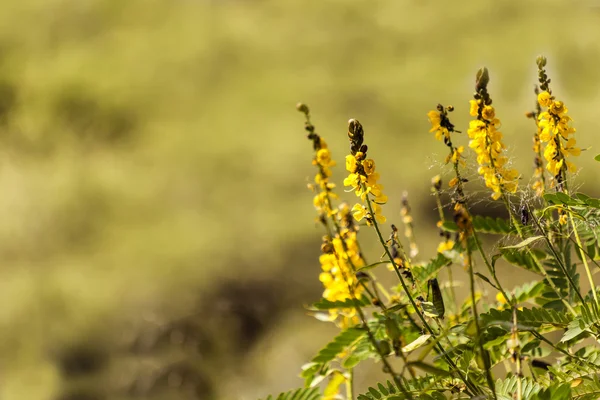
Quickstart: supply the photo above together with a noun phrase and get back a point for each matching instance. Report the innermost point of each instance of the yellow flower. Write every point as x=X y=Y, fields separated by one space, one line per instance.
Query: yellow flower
x=368 y=166
x=501 y=299
x=557 y=108
x=435 y=119
x=474 y=108
x=453 y=182
x=486 y=141
x=359 y=211
x=562 y=219
x=545 y=99
x=324 y=158
x=553 y=127
x=488 y=113
x=445 y=246
x=351 y=163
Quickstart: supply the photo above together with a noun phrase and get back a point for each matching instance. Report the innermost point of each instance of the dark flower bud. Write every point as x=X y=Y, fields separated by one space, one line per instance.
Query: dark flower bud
x=303 y=108
x=541 y=61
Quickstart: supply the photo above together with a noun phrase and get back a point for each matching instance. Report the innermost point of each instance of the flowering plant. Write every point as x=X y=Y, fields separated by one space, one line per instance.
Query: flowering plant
x=533 y=341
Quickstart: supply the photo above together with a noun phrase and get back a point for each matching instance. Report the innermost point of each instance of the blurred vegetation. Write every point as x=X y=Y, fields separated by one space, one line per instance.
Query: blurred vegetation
x=157 y=238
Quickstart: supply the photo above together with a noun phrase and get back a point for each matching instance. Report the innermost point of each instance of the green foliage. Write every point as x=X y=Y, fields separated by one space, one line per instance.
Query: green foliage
x=298 y=394
x=445 y=348
x=314 y=371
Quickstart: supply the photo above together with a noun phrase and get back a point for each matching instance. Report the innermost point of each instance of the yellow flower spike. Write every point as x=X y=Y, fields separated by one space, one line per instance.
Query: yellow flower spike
x=363 y=177
x=486 y=142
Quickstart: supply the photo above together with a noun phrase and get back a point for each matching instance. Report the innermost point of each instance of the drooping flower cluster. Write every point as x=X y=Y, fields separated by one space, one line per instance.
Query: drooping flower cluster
x=363 y=178
x=556 y=133
x=487 y=143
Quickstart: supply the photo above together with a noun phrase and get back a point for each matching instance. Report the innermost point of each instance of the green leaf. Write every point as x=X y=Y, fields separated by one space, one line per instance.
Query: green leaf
x=450 y=226
x=524 y=243
x=436 y=297
x=339 y=343
x=299 y=394
x=415 y=344
x=324 y=304
x=485 y=278
x=597 y=158
x=428 y=368
x=371 y=266
x=429 y=309
x=491 y=225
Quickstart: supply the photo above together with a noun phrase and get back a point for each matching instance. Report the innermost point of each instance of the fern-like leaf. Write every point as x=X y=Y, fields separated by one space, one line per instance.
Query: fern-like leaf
x=298 y=394
x=505 y=389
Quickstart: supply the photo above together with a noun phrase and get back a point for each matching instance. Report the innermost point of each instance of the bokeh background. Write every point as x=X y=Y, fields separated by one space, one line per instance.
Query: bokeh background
x=157 y=239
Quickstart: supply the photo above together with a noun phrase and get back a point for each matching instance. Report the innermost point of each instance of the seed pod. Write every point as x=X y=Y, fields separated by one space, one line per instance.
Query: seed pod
x=436 y=297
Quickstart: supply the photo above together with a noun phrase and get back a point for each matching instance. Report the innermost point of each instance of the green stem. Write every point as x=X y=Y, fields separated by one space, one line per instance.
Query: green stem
x=584 y=259
x=465 y=379
x=484 y=355
x=350 y=385
x=562 y=267
x=539 y=266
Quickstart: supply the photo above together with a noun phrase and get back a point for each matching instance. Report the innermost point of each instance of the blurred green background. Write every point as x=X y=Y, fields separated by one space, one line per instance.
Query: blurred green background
x=157 y=239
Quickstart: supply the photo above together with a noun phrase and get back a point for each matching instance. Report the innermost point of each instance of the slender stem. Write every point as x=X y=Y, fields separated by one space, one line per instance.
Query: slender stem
x=440 y=209
x=465 y=379
x=540 y=268
x=584 y=259
x=517 y=355
x=350 y=385
x=388 y=368
x=562 y=267
x=491 y=269
x=484 y=355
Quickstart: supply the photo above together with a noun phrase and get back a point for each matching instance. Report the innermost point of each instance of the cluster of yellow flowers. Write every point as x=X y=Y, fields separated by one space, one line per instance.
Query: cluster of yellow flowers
x=324 y=162
x=553 y=126
x=341 y=254
x=363 y=178
x=538 y=173
x=341 y=257
x=486 y=141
